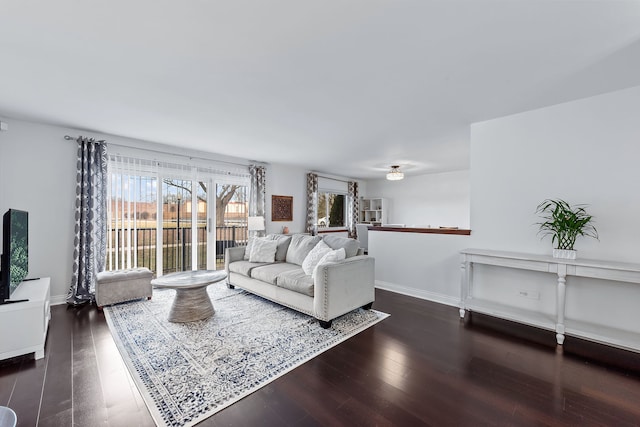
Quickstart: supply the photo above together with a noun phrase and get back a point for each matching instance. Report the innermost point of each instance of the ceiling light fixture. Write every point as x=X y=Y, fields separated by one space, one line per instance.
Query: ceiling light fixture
x=395 y=174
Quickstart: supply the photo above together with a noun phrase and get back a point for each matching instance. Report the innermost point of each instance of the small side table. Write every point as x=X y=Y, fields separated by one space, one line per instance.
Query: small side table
x=8 y=418
x=192 y=301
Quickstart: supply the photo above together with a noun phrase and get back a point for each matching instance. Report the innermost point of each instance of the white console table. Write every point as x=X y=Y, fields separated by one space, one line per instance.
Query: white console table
x=604 y=270
x=24 y=325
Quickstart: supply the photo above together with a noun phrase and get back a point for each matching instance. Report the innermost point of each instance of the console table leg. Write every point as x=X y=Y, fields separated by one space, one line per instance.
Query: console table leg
x=465 y=277
x=560 y=303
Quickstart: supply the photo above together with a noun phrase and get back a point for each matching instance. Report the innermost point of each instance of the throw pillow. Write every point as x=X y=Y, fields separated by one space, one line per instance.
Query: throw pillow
x=263 y=250
x=314 y=256
x=333 y=256
x=247 y=249
x=350 y=246
x=300 y=247
x=283 y=245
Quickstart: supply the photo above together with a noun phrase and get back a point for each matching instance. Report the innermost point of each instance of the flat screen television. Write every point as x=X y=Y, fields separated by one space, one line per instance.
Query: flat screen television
x=14 y=264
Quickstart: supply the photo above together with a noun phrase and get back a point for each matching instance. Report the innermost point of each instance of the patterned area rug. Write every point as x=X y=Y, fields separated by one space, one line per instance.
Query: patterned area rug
x=187 y=372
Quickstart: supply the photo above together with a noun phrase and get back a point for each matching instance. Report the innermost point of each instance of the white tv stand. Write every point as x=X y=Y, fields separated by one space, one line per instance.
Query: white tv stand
x=560 y=268
x=24 y=325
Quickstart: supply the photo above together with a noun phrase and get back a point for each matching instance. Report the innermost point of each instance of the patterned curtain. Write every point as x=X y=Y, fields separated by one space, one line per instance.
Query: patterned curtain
x=90 y=241
x=352 y=209
x=312 y=204
x=258 y=185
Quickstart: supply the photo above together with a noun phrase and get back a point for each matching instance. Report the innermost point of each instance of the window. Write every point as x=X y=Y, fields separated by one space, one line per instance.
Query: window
x=332 y=210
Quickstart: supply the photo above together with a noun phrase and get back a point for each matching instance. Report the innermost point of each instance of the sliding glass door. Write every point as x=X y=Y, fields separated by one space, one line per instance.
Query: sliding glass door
x=177 y=222
x=186 y=230
x=231 y=215
x=163 y=221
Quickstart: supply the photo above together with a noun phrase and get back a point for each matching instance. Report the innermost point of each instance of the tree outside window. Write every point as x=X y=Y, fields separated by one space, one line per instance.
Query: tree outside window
x=331 y=210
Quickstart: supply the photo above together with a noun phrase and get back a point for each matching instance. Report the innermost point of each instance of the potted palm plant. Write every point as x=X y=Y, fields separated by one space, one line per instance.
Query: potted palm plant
x=564 y=223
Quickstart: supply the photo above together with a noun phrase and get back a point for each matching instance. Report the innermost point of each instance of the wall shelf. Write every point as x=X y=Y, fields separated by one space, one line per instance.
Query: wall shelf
x=373 y=210
x=503 y=311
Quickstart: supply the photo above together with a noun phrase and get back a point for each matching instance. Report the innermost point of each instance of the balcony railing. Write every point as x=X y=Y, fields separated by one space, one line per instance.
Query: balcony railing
x=176 y=248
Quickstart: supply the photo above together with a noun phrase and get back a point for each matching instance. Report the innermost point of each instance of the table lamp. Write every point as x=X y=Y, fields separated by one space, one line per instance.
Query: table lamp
x=256 y=223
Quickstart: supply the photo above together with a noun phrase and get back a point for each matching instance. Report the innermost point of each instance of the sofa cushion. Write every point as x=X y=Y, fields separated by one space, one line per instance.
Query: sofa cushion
x=332 y=256
x=269 y=273
x=263 y=250
x=124 y=275
x=244 y=267
x=247 y=249
x=314 y=256
x=300 y=246
x=296 y=280
x=350 y=246
x=283 y=245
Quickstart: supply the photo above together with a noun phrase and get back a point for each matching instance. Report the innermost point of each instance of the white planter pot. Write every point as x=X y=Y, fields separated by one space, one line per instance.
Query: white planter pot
x=564 y=253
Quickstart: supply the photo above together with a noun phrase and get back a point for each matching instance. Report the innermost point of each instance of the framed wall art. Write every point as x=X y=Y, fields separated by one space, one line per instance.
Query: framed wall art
x=281 y=208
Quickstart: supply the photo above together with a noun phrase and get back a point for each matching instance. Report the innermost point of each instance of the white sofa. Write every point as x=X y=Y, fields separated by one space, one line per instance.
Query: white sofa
x=337 y=288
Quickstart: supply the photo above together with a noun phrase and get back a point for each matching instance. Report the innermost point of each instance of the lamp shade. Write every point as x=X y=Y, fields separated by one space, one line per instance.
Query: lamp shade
x=395 y=174
x=255 y=223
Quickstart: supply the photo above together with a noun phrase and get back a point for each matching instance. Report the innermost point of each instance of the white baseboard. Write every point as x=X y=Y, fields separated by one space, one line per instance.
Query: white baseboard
x=418 y=293
x=58 y=299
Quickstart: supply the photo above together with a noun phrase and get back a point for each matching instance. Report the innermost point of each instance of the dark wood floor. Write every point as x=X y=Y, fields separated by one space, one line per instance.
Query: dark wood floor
x=421 y=366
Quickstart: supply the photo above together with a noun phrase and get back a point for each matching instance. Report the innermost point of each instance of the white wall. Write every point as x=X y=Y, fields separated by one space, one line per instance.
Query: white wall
x=434 y=200
x=418 y=264
x=422 y=265
x=38 y=175
x=584 y=151
x=287 y=180
x=284 y=180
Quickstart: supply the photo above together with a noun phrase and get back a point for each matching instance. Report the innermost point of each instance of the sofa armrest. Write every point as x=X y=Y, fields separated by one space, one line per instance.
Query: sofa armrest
x=343 y=286
x=235 y=253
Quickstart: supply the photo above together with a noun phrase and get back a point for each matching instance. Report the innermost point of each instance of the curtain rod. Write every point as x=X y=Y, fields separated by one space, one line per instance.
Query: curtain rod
x=334 y=179
x=70 y=138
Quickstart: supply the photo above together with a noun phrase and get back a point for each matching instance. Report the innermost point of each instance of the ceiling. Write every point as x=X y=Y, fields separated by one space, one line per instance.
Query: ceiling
x=347 y=87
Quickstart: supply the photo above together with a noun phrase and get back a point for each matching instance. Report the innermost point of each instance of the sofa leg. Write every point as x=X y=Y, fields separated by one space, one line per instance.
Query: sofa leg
x=230 y=286
x=368 y=306
x=325 y=325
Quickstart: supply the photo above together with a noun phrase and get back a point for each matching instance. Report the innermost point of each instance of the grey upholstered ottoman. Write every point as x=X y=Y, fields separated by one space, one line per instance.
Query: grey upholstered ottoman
x=123 y=285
